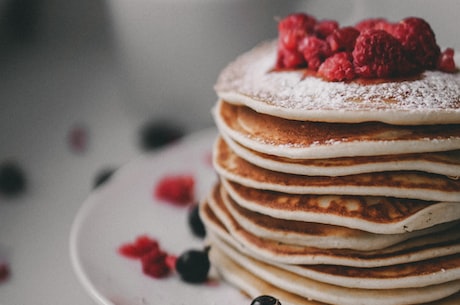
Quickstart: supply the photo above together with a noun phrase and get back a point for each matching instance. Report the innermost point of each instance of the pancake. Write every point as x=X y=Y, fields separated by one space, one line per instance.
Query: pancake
x=219 y=221
x=431 y=98
x=254 y=286
x=333 y=294
x=315 y=140
x=383 y=215
x=419 y=274
x=443 y=163
x=402 y=184
x=315 y=234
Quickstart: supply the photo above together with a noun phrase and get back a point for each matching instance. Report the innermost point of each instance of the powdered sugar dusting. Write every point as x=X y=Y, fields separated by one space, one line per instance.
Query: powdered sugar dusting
x=433 y=96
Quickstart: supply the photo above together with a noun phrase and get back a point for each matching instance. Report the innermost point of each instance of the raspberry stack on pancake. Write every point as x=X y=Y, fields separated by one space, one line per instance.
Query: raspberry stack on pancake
x=338 y=188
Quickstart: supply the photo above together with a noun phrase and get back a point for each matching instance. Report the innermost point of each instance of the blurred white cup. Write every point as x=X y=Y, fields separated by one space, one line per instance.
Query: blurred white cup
x=171 y=51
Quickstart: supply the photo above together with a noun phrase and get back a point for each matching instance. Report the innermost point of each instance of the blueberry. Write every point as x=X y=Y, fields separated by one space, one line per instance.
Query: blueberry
x=12 y=179
x=155 y=134
x=193 y=266
x=195 y=223
x=103 y=176
x=265 y=300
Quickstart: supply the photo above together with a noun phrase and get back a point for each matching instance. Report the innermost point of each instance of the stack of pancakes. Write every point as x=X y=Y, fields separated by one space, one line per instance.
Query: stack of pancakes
x=336 y=193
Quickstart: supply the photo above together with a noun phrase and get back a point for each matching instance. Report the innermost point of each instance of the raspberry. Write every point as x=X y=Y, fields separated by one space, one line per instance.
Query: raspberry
x=154 y=264
x=291 y=30
x=176 y=189
x=315 y=51
x=325 y=27
x=338 y=67
x=446 y=61
x=289 y=59
x=142 y=246
x=343 y=39
x=378 y=54
x=419 y=41
x=371 y=24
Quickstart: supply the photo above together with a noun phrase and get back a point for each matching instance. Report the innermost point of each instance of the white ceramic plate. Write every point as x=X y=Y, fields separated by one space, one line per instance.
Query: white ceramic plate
x=123 y=209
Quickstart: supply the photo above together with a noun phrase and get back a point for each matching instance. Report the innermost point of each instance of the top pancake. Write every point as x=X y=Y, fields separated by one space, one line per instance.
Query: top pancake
x=431 y=98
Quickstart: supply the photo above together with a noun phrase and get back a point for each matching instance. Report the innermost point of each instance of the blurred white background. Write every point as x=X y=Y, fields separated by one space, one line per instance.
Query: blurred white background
x=107 y=67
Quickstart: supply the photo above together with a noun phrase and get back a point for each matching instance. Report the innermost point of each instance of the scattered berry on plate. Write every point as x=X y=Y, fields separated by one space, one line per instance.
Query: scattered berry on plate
x=155 y=134
x=195 y=223
x=176 y=189
x=155 y=264
x=140 y=247
x=265 y=300
x=12 y=179
x=193 y=266
x=103 y=176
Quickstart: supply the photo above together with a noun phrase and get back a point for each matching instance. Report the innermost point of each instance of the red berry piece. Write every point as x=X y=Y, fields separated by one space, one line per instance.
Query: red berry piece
x=289 y=59
x=338 y=67
x=315 y=51
x=140 y=247
x=446 y=62
x=419 y=41
x=294 y=28
x=371 y=24
x=154 y=264
x=343 y=39
x=78 y=139
x=325 y=27
x=377 y=54
x=291 y=30
x=176 y=189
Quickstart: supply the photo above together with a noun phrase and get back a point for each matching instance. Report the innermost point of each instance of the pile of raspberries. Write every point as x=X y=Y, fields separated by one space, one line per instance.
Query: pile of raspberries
x=373 y=48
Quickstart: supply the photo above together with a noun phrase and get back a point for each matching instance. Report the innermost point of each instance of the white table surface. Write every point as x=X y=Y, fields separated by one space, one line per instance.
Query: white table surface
x=46 y=88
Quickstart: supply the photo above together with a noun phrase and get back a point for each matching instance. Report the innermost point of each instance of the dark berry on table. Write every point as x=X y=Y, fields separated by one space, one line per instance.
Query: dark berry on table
x=4 y=272
x=265 y=300
x=156 y=134
x=12 y=179
x=195 y=222
x=193 y=266
x=103 y=176
x=78 y=139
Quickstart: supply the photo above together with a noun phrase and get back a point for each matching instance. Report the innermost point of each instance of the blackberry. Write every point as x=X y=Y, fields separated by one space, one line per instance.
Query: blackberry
x=195 y=223
x=156 y=134
x=265 y=300
x=193 y=266
x=12 y=179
